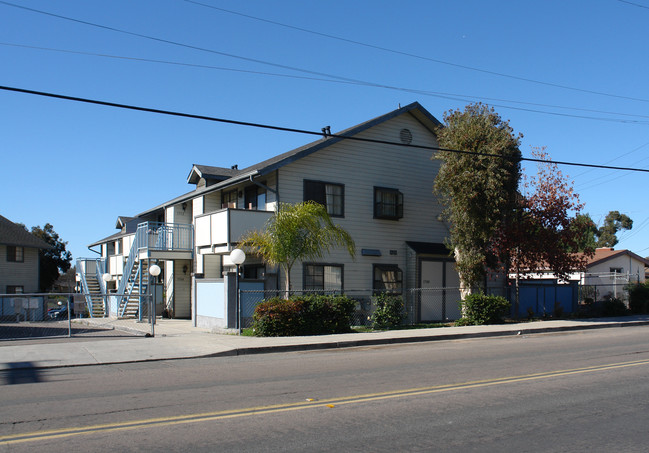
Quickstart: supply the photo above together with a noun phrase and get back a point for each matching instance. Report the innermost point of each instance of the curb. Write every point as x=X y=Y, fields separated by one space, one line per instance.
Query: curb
x=350 y=344
x=417 y=339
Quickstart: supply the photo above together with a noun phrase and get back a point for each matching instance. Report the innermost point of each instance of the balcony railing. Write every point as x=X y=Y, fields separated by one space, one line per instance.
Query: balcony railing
x=227 y=226
x=164 y=236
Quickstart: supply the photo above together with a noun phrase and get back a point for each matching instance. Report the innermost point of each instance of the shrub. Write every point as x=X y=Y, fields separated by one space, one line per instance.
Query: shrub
x=614 y=307
x=389 y=311
x=638 y=297
x=480 y=309
x=278 y=317
x=308 y=314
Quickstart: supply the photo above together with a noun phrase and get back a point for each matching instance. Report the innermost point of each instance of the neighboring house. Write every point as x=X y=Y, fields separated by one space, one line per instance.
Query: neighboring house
x=606 y=274
x=19 y=259
x=609 y=270
x=381 y=194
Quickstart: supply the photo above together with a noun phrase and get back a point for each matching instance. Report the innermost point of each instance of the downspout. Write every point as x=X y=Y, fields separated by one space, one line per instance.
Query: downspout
x=264 y=186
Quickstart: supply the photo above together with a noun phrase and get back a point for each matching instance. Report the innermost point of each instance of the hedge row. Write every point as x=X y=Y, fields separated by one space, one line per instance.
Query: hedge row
x=303 y=315
x=639 y=298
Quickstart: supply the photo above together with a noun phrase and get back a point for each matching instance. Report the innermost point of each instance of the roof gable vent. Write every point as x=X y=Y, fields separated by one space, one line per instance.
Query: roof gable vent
x=405 y=136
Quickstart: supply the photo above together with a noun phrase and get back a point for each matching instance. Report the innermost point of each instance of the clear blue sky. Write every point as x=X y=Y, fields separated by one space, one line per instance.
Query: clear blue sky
x=569 y=75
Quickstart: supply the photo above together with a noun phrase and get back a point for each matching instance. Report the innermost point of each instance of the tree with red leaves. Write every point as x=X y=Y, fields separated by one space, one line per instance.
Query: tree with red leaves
x=545 y=231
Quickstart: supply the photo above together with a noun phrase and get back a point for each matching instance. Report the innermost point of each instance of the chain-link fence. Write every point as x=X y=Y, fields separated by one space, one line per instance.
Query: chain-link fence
x=32 y=316
x=424 y=305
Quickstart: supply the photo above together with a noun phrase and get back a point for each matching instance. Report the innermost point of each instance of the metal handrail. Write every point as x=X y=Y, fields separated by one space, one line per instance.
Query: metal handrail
x=165 y=236
x=84 y=284
x=152 y=236
x=101 y=270
x=126 y=297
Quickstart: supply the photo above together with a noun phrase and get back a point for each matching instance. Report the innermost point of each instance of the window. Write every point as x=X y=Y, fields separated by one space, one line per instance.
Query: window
x=229 y=199
x=331 y=196
x=328 y=277
x=388 y=203
x=616 y=272
x=15 y=289
x=388 y=278
x=255 y=198
x=15 y=254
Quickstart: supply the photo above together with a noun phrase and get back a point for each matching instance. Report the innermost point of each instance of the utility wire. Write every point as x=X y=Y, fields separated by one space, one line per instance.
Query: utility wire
x=456 y=97
x=301 y=131
x=331 y=76
x=634 y=4
x=420 y=57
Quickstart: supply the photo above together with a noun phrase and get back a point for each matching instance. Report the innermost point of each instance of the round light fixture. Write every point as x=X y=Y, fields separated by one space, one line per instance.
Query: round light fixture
x=154 y=270
x=237 y=256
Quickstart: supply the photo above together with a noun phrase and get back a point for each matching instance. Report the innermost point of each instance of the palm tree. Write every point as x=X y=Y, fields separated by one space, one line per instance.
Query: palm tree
x=297 y=232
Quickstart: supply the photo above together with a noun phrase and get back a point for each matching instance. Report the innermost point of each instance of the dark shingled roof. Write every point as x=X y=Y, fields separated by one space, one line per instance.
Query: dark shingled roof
x=13 y=234
x=210 y=173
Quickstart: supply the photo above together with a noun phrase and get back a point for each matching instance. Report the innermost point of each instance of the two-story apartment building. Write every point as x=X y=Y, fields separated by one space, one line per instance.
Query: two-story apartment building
x=380 y=193
x=19 y=259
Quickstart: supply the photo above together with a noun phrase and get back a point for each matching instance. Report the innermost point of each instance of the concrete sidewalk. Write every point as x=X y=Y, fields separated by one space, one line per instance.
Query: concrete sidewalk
x=177 y=339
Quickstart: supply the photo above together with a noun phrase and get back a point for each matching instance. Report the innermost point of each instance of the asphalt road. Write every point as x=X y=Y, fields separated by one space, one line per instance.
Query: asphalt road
x=581 y=391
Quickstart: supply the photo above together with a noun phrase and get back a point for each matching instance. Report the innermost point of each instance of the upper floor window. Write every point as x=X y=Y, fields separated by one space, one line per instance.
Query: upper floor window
x=15 y=254
x=229 y=199
x=255 y=198
x=328 y=277
x=330 y=195
x=388 y=278
x=388 y=203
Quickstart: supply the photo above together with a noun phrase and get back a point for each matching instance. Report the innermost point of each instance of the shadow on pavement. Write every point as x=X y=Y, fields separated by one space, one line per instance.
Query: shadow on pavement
x=21 y=373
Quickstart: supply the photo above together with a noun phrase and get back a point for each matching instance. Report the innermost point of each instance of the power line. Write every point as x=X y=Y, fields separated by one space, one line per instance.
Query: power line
x=333 y=76
x=634 y=4
x=300 y=131
x=437 y=94
x=420 y=57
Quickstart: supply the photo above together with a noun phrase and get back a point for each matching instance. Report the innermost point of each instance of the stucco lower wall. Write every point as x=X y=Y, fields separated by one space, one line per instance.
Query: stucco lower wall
x=211 y=305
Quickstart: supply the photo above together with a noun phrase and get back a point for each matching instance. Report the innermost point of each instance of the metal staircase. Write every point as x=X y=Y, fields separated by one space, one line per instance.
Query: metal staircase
x=96 y=307
x=130 y=298
x=134 y=281
x=93 y=286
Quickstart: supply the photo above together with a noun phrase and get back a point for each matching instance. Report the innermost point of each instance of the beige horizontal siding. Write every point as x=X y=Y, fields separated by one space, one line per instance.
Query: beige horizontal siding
x=360 y=166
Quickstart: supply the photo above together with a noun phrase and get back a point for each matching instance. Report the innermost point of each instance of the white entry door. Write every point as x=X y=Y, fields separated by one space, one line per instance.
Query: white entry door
x=439 y=291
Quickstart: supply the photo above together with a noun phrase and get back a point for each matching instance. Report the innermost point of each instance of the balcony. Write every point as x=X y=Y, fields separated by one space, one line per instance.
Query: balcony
x=164 y=240
x=219 y=231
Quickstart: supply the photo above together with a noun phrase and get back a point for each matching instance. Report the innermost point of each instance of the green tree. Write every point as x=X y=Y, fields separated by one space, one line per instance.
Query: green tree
x=478 y=190
x=588 y=239
x=614 y=222
x=53 y=261
x=297 y=232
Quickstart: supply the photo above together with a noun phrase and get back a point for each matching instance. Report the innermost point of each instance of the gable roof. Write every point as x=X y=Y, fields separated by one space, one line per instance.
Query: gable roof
x=606 y=253
x=267 y=166
x=13 y=234
x=210 y=173
x=415 y=109
x=122 y=221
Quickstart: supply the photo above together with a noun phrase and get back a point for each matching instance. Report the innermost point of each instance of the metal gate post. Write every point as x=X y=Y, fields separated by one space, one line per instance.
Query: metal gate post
x=69 y=319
